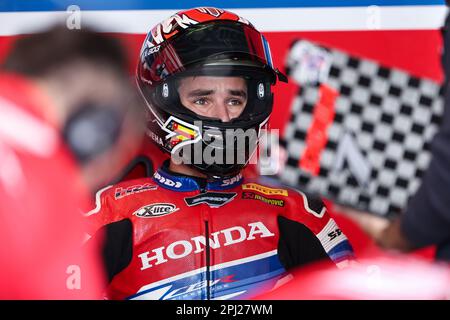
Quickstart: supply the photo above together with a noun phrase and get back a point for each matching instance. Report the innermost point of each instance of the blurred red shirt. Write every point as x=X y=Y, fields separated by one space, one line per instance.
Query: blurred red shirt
x=41 y=200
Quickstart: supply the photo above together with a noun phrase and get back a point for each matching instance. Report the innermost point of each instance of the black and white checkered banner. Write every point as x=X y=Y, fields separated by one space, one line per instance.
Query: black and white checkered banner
x=359 y=133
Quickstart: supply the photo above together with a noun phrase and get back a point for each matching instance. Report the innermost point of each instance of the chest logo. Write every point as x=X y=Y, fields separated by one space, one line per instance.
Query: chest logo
x=255 y=196
x=265 y=190
x=124 y=192
x=155 y=210
x=223 y=238
x=213 y=199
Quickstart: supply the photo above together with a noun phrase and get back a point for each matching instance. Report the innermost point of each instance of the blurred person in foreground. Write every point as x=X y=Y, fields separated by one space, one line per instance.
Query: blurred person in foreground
x=426 y=220
x=374 y=277
x=200 y=229
x=68 y=122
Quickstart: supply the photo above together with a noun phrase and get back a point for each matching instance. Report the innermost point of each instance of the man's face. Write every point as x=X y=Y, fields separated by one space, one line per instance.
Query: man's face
x=104 y=87
x=215 y=97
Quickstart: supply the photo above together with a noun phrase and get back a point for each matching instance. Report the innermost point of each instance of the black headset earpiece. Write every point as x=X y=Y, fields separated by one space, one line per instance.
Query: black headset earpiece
x=92 y=130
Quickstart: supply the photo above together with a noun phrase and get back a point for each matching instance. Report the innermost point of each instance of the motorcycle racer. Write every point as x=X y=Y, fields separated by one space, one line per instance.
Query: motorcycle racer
x=199 y=229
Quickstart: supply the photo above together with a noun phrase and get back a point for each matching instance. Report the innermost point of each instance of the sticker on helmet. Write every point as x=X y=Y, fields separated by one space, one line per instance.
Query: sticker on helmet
x=215 y=12
x=169 y=27
x=180 y=133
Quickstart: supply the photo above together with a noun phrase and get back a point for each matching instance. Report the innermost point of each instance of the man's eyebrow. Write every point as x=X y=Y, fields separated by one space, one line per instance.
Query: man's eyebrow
x=200 y=93
x=238 y=93
x=203 y=92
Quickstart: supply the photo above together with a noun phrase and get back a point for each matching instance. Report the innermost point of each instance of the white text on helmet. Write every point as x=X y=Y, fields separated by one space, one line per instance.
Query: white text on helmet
x=167 y=26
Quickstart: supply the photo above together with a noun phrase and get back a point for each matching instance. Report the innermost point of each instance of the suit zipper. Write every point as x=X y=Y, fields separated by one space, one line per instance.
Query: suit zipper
x=208 y=261
x=207 y=249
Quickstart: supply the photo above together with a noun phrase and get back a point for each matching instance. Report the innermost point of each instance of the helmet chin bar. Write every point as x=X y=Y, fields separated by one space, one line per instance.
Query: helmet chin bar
x=214 y=172
x=220 y=152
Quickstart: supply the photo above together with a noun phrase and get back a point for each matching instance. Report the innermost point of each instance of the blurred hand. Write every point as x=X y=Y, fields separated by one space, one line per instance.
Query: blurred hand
x=369 y=223
x=384 y=232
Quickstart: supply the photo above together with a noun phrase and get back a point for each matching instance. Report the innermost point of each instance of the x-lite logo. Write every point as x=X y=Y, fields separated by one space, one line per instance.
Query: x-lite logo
x=155 y=210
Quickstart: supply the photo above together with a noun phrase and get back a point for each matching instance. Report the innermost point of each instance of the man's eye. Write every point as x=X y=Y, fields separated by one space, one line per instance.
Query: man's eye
x=235 y=102
x=201 y=101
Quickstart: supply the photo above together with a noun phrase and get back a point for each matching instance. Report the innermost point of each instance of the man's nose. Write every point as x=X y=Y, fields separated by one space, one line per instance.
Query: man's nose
x=222 y=112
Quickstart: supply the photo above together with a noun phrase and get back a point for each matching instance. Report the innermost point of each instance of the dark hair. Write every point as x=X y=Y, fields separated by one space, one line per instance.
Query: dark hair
x=39 y=53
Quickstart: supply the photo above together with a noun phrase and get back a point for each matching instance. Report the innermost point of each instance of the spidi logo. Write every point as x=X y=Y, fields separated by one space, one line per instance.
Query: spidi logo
x=155 y=210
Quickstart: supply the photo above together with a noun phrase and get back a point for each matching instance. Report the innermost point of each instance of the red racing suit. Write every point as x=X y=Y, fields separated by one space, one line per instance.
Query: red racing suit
x=179 y=237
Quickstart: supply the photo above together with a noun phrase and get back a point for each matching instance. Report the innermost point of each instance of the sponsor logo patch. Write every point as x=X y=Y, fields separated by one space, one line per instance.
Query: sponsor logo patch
x=255 y=196
x=232 y=180
x=213 y=199
x=157 y=139
x=123 y=192
x=166 y=181
x=155 y=210
x=221 y=238
x=265 y=190
x=334 y=234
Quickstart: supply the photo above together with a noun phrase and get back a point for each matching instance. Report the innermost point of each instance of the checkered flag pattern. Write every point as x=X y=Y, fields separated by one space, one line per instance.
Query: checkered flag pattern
x=378 y=143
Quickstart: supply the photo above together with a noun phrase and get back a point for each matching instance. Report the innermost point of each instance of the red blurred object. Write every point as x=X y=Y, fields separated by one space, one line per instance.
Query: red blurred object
x=41 y=198
x=362 y=244
x=378 y=277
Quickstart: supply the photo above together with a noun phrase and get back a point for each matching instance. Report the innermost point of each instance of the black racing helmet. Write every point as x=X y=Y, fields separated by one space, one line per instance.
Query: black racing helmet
x=206 y=42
